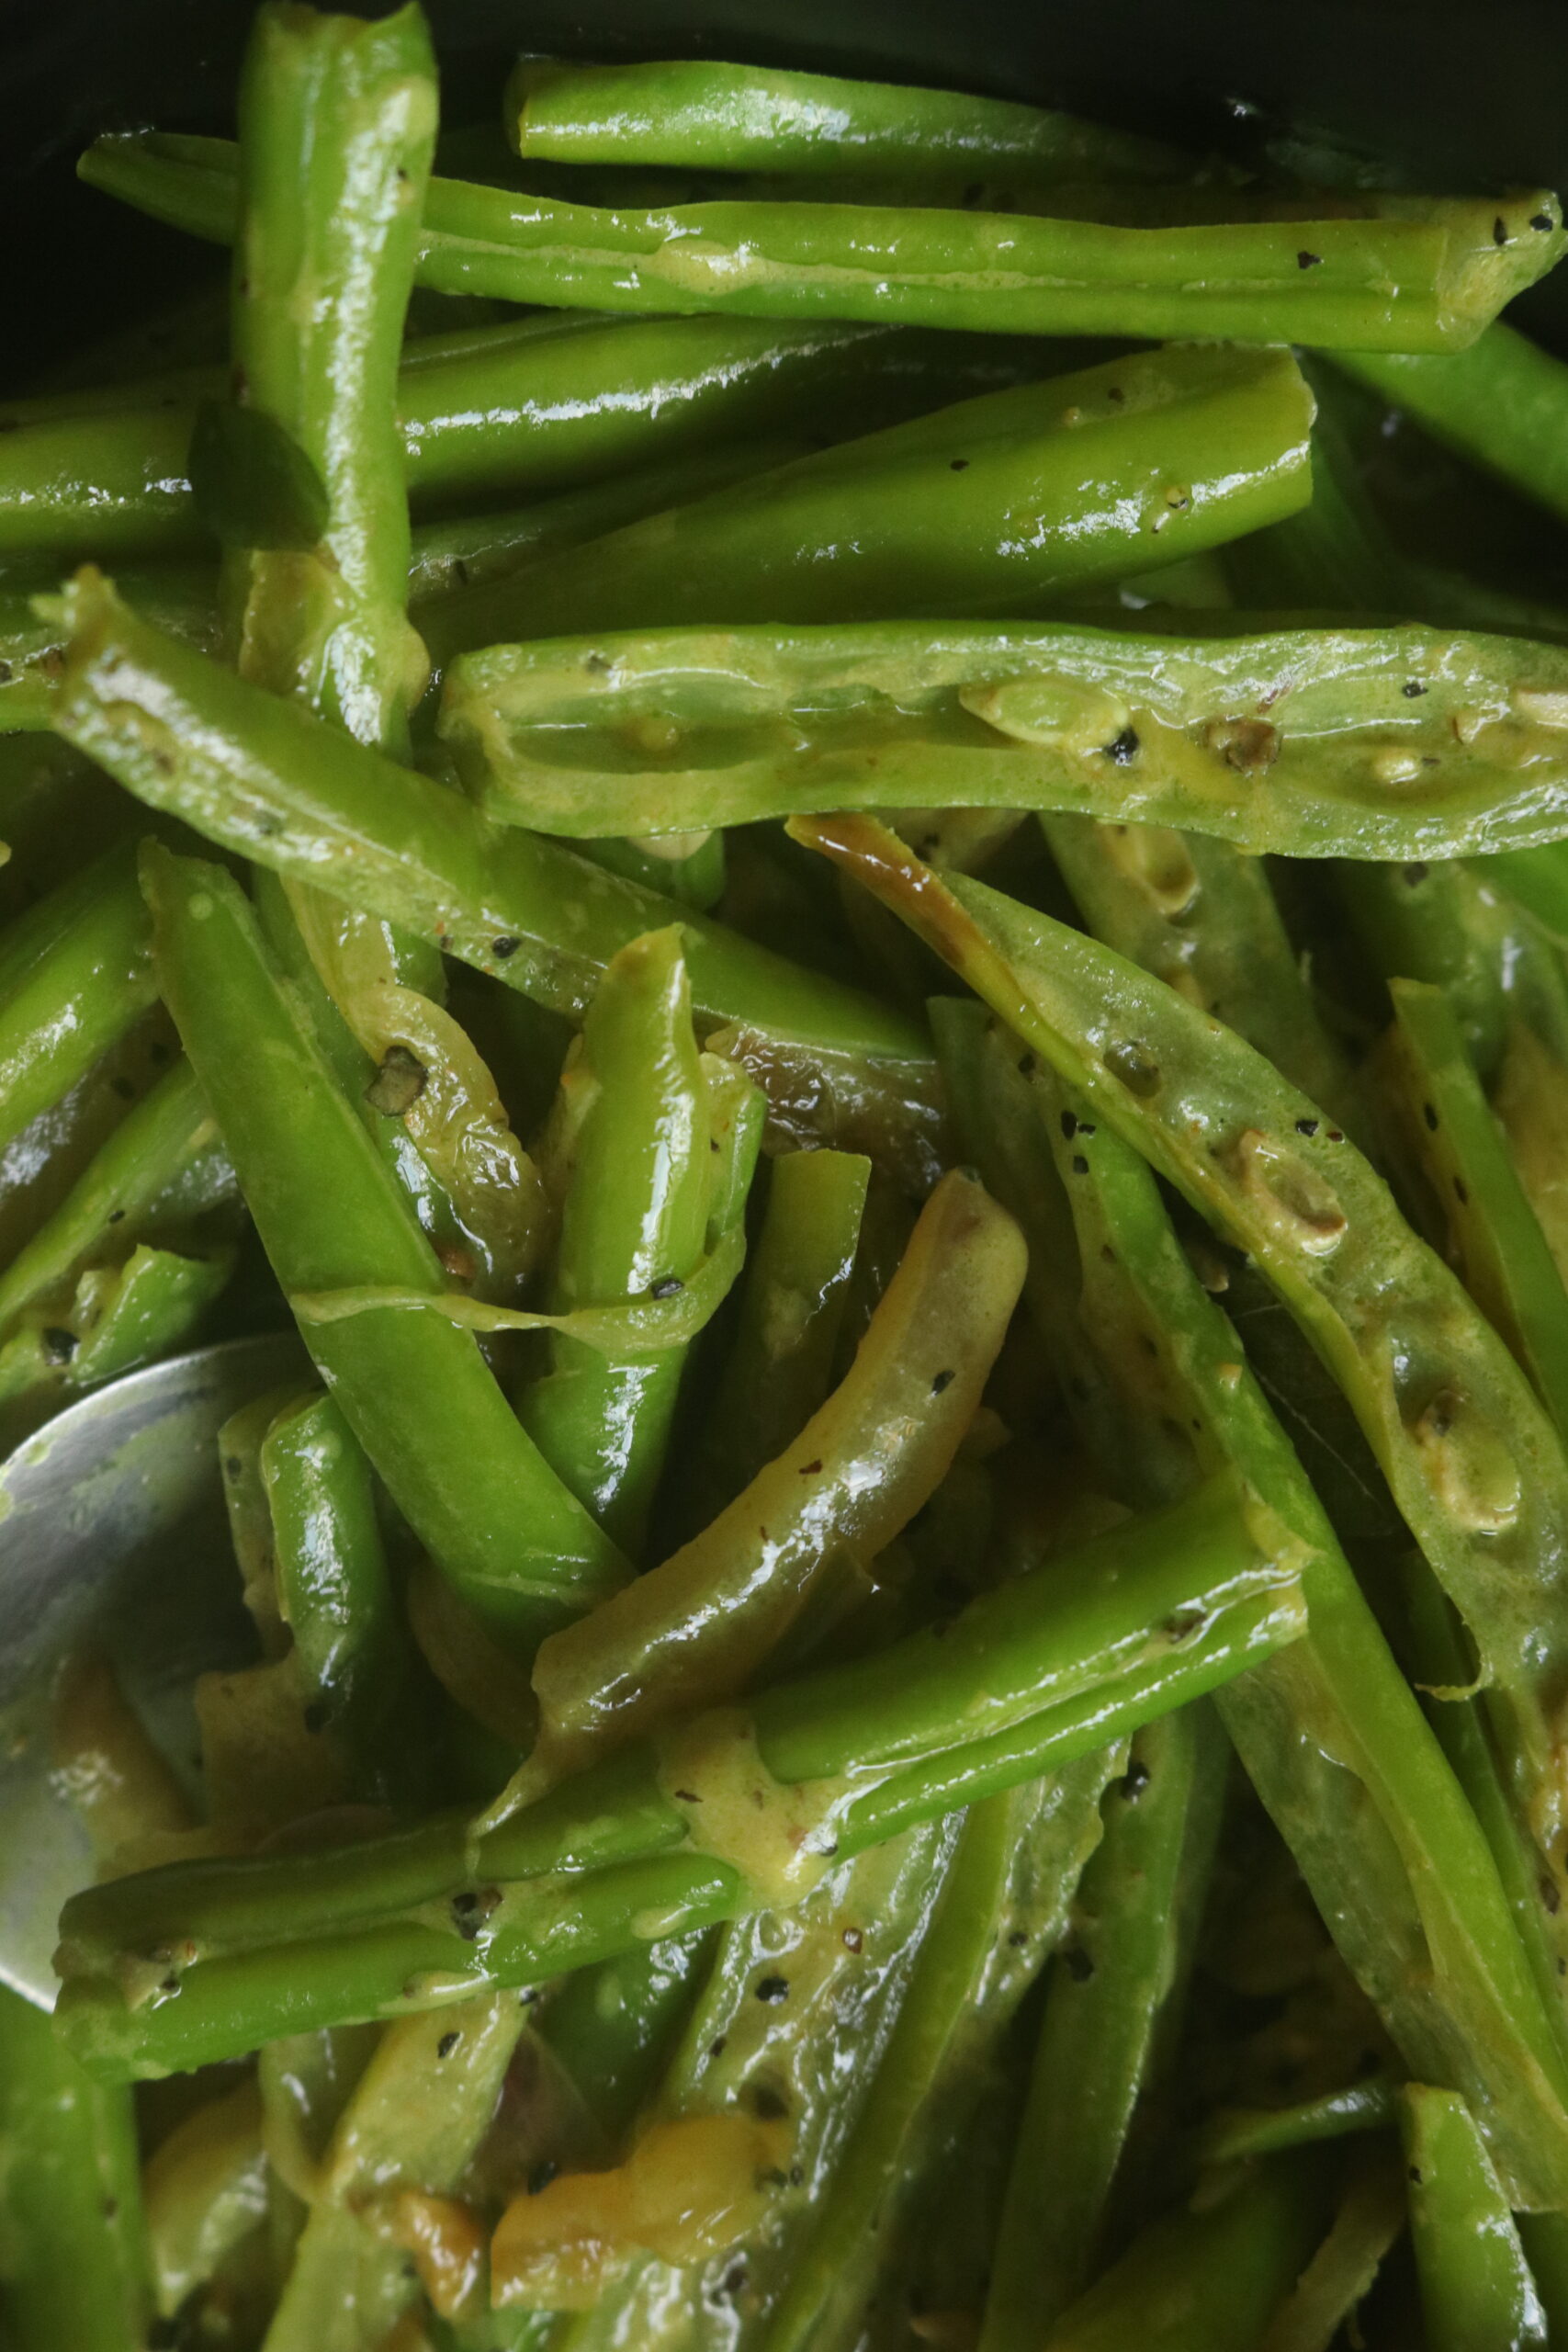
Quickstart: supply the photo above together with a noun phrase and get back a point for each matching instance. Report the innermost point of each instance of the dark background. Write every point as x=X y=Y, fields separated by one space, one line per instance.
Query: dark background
x=1464 y=97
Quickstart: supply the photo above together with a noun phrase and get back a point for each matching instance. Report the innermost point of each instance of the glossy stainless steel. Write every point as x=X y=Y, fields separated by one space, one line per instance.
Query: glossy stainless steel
x=112 y=1531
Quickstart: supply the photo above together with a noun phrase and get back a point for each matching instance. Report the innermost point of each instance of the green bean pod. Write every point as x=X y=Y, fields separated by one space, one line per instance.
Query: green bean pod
x=1501 y=404
x=635 y=1220
x=747 y=118
x=74 y=2262
x=1417 y=274
x=414 y=2122
x=1144 y=459
x=261 y=777
x=1331 y=1735
x=1481 y=1212
x=204 y=2187
x=1210 y=2276
x=779 y=1367
x=162 y=1167
x=335 y=1587
x=337 y=127
x=1134 y=1927
x=416 y=1392
x=1004 y=1907
x=1476 y=2288
x=539 y=406
x=1401 y=742
x=698 y=1629
x=1471 y=1461
x=1201 y=916
x=75 y=971
x=1026 y=1679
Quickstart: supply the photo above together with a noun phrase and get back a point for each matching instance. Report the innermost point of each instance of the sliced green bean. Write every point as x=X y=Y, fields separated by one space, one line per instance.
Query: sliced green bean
x=263 y=778
x=74 y=2264
x=413 y=2122
x=699 y=1629
x=532 y=407
x=1472 y=1462
x=1233 y=2134
x=75 y=971
x=697 y=728
x=1202 y=916
x=921 y=517
x=1026 y=1679
x=1004 y=1906
x=1209 y=2276
x=739 y=117
x=1492 y=1236
x=118 y=1318
x=160 y=1168
x=1416 y=274
x=1476 y=2288
x=1325 y=2295
x=416 y=1392
x=635 y=1220
x=205 y=2187
x=180 y=600
x=473 y=550
x=335 y=1587
x=1332 y=1736
x=1501 y=404
x=1107 y=2001
x=610 y=2027
x=792 y=1300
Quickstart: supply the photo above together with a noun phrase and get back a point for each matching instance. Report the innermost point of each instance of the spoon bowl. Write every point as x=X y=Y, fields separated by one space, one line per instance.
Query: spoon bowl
x=113 y=1532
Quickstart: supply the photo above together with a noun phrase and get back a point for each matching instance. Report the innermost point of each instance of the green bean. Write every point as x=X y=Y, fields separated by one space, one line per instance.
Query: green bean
x=337 y=127
x=119 y=1318
x=635 y=1220
x=1452 y=925
x=262 y=777
x=1134 y=1921
x=736 y=118
x=72 y=2252
x=1529 y=1102
x=697 y=728
x=1476 y=2288
x=162 y=1167
x=334 y=1588
x=698 y=1629
x=1419 y=274
x=473 y=550
x=922 y=516
x=1331 y=1736
x=1201 y=916
x=1025 y=1680
x=1482 y=1214
x=1325 y=2295
x=540 y=405
x=413 y=2122
x=1439 y=1660
x=1471 y=1459
x=1544 y=2237
x=179 y=599
x=1209 y=2276
x=1233 y=2134
x=205 y=2187
x=810 y=2060
x=416 y=1392
x=75 y=971
x=778 y=1369
x=1501 y=404
x=691 y=868
x=610 y=2027
x=1004 y=1907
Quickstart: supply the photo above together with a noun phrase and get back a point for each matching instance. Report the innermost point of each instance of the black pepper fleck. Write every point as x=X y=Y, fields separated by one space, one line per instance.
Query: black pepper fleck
x=773 y=1989
x=1122 y=750
x=542 y=2174
x=1412 y=689
x=958 y=465
x=58 y=1344
x=1080 y=1165
x=1069 y=1125
x=944 y=1380
x=1541 y=219
x=666 y=1286
x=1429 y=1115
x=447 y=2043
x=1306 y=1127
x=1308 y=261
x=1499 y=230
x=853 y=1941
x=507 y=945
x=1134 y=1780
x=1078 y=1963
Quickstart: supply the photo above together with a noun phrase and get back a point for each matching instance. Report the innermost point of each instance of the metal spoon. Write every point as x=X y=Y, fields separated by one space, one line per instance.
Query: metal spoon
x=112 y=1530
